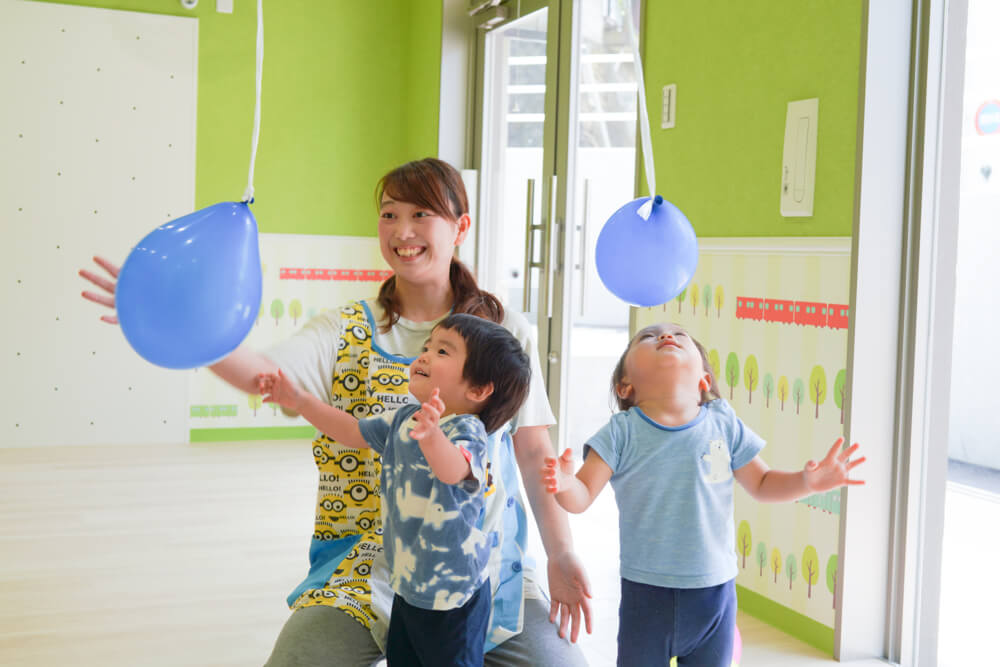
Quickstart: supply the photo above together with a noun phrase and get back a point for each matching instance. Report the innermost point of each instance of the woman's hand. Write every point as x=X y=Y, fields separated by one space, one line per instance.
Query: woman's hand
x=834 y=470
x=570 y=593
x=105 y=284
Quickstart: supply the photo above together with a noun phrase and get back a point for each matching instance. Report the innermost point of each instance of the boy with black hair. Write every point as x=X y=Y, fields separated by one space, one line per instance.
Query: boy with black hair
x=471 y=378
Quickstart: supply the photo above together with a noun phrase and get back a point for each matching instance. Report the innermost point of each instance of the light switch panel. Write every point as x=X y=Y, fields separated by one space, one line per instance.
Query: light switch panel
x=798 y=166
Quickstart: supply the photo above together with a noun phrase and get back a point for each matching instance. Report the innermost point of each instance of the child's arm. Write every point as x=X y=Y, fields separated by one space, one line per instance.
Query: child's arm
x=778 y=486
x=339 y=425
x=575 y=493
x=447 y=461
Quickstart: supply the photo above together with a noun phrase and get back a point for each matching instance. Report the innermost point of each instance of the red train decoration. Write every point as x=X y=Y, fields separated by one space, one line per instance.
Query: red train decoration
x=805 y=313
x=365 y=275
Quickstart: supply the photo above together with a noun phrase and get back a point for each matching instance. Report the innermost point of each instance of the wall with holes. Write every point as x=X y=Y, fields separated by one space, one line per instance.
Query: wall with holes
x=97 y=138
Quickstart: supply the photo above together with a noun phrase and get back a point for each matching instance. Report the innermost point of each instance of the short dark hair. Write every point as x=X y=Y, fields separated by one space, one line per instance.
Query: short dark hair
x=618 y=375
x=494 y=356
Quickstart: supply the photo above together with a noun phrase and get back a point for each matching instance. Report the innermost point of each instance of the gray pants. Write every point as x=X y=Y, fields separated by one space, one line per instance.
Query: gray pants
x=325 y=636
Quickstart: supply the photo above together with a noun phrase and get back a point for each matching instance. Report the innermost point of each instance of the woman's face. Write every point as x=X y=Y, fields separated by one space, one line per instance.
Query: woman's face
x=418 y=243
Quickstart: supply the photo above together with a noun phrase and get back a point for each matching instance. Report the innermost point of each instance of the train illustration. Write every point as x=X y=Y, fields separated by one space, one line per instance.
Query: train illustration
x=365 y=275
x=805 y=313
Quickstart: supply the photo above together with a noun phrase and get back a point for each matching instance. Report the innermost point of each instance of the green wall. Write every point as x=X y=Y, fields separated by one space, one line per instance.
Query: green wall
x=737 y=65
x=350 y=90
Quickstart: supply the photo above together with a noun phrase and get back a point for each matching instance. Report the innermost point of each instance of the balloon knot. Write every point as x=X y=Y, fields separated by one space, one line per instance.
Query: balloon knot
x=658 y=200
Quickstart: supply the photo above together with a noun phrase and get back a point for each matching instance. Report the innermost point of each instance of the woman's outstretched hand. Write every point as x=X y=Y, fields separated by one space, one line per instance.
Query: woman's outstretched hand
x=834 y=470
x=107 y=298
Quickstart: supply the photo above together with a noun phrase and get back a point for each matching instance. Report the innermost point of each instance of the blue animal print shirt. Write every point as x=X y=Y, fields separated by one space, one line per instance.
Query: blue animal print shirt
x=435 y=546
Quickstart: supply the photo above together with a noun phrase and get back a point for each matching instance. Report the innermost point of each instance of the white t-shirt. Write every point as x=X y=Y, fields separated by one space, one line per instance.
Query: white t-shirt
x=308 y=356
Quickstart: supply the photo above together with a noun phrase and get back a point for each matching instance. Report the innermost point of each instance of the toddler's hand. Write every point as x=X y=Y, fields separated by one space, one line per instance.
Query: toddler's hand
x=428 y=416
x=834 y=470
x=277 y=388
x=556 y=472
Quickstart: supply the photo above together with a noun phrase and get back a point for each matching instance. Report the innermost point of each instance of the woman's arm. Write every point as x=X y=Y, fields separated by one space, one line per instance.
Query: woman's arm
x=780 y=486
x=568 y=584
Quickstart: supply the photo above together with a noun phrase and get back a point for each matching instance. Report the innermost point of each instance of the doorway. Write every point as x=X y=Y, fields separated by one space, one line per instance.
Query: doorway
x=556 y=153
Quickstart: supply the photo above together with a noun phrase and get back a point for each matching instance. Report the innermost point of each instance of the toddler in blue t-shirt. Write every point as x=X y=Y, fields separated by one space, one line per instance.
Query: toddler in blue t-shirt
x=471 y=378
x=671 y=455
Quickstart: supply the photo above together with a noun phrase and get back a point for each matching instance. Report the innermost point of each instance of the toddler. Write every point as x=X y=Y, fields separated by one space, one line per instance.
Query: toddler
x=470 y=379
x=671 y=455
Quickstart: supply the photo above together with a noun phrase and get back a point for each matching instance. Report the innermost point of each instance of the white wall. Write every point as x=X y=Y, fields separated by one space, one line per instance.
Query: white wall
x=97 y=138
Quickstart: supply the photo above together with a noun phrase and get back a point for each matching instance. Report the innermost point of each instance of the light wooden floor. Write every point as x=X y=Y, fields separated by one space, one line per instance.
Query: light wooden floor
x=183 y=555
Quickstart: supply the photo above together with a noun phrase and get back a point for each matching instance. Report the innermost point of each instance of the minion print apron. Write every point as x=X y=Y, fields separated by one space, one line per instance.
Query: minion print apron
x=347 y=534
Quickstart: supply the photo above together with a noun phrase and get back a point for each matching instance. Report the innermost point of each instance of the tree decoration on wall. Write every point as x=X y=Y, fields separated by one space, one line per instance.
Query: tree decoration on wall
x=732 y=372
x=768 y=389
x=817 y=387
x=831 y=577
x=840 y=392
x=776 y=563
x=744 y=541
x=791 y=569
x=751 y=375
x=810 y=568
x=798 y=393
x=761 y=557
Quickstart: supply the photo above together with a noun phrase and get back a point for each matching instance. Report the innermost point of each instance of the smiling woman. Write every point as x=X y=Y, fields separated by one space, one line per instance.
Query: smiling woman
x=341 y=609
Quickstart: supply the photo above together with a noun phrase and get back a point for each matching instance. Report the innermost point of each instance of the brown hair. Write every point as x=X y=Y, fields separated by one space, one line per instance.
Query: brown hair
x=619 y=373
x=492 y=355
x=437 y=186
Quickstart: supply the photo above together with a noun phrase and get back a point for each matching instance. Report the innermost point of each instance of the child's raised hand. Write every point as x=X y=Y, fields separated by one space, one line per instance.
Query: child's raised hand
x=834 y=470
x=277 y=388
x=556 y=471
x=428 y=416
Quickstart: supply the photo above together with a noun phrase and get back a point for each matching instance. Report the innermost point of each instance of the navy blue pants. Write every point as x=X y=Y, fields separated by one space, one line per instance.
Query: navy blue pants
x=694 y=624
x=430 y=638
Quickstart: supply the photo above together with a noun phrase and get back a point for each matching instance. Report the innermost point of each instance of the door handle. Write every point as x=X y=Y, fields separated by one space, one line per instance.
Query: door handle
x=529 y=245
x=582 y=229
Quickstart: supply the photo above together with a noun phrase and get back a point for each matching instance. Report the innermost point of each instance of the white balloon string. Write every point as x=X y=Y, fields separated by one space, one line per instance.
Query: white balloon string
x=248 y=195
x=645 y=136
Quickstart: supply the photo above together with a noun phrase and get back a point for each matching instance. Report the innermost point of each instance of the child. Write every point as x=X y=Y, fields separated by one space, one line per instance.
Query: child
x=671 y=454
x=470 y=379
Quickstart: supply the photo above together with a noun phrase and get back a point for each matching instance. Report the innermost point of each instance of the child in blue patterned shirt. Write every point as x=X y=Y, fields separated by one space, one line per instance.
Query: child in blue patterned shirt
x=471 y=378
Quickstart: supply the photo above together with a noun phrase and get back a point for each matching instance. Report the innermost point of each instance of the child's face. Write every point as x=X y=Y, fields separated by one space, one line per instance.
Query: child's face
x=440 y=366
x=416 y=242
x=664 y=357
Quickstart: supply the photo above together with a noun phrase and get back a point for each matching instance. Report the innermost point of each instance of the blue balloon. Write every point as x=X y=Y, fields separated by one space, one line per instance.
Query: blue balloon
x=189 y=292
x=647 y=262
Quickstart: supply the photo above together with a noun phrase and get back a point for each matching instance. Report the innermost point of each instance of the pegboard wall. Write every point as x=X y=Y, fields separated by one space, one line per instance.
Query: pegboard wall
x=97 y=134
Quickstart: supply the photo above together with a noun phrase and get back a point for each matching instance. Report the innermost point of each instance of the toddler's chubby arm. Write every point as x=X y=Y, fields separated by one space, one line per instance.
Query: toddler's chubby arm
x=334 y=422
x=779 y=486
x=575 y=493
x=447 y=461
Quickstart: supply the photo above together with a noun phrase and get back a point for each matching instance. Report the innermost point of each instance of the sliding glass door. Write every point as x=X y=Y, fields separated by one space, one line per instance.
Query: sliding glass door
x=556 y=156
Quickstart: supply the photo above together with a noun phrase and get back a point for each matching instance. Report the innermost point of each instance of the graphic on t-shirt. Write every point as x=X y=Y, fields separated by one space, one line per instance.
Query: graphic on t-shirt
x=411 y=505
x=718 y=462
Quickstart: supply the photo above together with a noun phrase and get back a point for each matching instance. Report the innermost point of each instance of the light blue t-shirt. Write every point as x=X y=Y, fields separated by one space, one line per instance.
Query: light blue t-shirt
x=674 y=489
x=434 y=544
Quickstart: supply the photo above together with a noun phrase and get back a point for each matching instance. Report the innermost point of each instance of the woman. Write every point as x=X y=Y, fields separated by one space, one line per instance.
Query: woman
x=356 y=358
